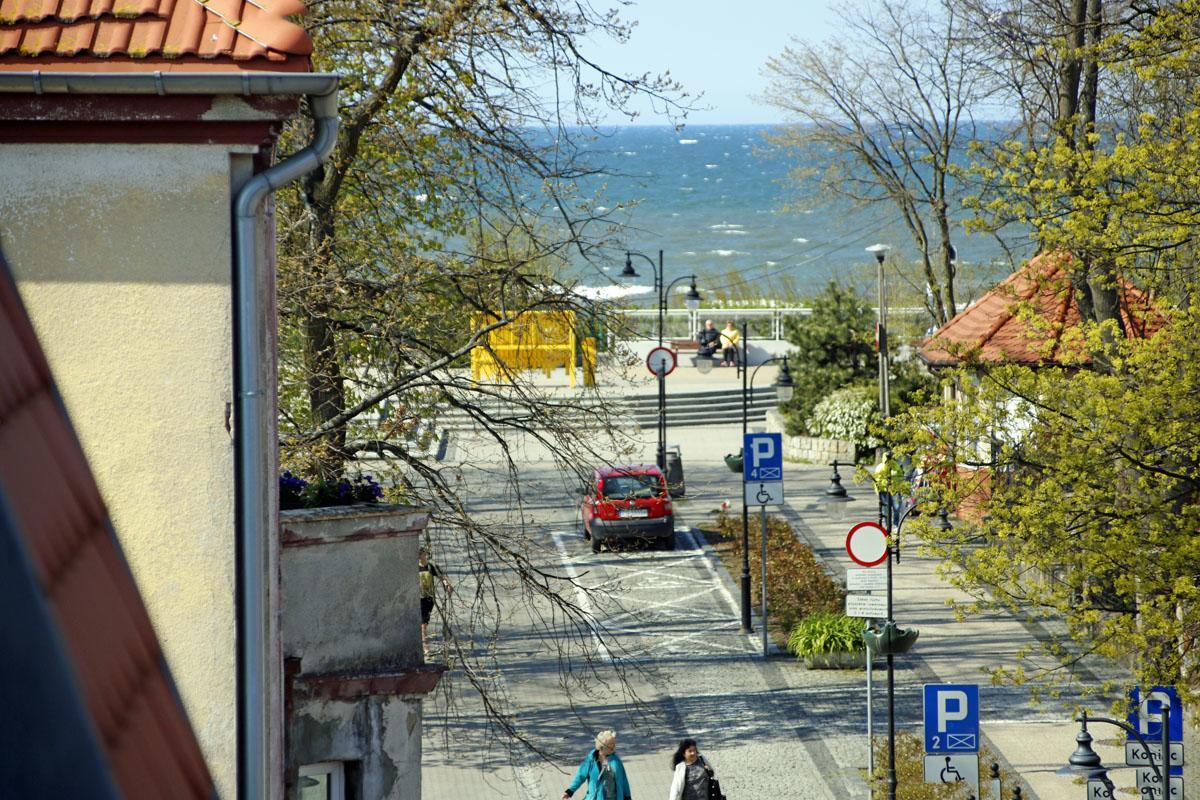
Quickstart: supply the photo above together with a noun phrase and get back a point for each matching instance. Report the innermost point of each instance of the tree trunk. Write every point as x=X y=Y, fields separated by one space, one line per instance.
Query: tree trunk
x=322 y=357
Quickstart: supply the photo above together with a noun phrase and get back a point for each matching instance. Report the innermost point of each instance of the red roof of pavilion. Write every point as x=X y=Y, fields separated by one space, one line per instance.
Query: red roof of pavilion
x=1023 y=320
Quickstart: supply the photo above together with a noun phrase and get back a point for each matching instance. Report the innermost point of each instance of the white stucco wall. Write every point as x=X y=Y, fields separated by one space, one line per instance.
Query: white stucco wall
x=122 y=254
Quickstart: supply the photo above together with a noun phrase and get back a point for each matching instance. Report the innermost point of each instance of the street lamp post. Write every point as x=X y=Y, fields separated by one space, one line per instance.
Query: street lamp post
x=784 y=387
x=880 y=252
x=661 y=292
x=1086 y=762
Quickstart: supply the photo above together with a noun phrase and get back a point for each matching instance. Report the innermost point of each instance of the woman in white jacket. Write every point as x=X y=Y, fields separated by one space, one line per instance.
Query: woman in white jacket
x=692 y=773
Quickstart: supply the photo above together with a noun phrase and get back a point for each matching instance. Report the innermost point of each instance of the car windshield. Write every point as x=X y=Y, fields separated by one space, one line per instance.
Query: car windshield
x=635 y=486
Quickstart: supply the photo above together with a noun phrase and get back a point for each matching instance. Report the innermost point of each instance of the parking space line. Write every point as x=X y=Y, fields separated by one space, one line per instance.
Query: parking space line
x=585 y=603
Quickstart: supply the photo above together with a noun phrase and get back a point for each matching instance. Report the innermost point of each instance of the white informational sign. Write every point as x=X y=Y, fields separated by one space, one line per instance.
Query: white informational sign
x=866 y=580
x=1138 y=756
x=764 y=493
x=961 y=768
x=1150 y=788
x=1098 y=790
x=661 y=358
x=866 y=606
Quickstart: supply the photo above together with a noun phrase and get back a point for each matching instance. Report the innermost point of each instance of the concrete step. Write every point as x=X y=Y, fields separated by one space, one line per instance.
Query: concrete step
x=683 y=409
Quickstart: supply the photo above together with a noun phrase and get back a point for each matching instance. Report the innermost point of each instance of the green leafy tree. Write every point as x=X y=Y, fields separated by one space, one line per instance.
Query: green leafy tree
x=833 y=348
x=448 y=208
x=1080 y=492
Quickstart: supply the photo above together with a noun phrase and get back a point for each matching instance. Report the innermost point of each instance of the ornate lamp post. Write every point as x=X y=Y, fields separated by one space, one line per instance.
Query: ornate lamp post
x=692 y=299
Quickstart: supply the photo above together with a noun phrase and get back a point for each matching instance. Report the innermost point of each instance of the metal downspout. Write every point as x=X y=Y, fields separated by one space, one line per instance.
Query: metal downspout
x=254 y=453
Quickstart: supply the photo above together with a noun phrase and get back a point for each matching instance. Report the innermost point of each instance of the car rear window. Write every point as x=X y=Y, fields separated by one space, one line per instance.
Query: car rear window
x=625 y=486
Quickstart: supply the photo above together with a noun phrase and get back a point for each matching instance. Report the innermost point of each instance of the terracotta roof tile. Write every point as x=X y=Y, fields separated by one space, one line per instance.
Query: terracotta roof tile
x=60 y=519
x=235 y=31
x=994 y=329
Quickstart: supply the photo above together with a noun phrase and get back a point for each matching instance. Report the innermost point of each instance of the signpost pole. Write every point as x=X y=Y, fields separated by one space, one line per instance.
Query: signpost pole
x=870 y=723
x=662 y=418
x=891 y=682
x=746 y=627
x=763 y=582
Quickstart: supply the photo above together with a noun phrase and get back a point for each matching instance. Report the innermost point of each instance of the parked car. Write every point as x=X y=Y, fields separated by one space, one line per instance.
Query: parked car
x=628 y=502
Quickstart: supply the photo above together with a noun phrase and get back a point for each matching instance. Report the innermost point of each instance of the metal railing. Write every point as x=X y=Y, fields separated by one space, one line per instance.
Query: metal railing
x=765 y=324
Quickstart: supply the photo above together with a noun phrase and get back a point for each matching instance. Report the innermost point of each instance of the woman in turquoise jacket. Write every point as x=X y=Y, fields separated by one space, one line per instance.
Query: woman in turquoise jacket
x=603 y=771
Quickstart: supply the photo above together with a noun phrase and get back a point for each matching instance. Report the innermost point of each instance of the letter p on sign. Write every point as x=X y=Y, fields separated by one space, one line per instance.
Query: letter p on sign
x=762 y=450
x=946 y=699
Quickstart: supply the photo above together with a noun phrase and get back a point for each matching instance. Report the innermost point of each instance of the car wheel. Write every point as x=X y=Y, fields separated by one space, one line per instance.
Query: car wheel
x=595 y=544
x=667 y=542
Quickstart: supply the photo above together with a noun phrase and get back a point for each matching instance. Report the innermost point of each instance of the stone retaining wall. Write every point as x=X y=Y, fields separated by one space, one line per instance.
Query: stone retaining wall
x=810 y=448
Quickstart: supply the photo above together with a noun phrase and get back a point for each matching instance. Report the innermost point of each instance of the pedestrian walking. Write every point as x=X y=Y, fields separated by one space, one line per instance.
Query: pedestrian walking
x=428 y=573
x=603 y=771
x=694 y=778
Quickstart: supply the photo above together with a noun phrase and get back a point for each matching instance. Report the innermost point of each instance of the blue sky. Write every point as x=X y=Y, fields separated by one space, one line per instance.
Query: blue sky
x=717 y=47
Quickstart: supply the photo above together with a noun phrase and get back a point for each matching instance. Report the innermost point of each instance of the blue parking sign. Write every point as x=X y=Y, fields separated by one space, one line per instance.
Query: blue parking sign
x=1145 y=713
x=951 y=718
x=762 y=457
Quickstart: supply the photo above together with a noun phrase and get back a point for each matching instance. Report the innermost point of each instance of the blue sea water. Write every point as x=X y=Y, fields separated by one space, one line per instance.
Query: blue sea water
x=718 y=199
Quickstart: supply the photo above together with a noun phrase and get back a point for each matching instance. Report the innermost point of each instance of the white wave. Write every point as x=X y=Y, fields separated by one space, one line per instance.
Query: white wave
x=725 y=253
x=689 y=252
x=628 y=152
x=711 y=166
x=772 y=263
x=724 y=226
x=688 y=141
x=734 y=233
x=800 y=240
x=686 y=189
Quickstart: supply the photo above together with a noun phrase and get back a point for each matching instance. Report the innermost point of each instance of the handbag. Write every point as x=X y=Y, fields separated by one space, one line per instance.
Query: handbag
x=714 y=789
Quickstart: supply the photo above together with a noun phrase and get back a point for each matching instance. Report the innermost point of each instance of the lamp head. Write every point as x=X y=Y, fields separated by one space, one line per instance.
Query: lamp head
x=703 y=364
x=880 y=251
x=692 y=298
x=629 y=271
x=1084 y=761
x=785 y=387
x=941 y=521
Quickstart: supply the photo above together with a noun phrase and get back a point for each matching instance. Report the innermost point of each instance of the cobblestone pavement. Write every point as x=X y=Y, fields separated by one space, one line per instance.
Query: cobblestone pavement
x=771 y=727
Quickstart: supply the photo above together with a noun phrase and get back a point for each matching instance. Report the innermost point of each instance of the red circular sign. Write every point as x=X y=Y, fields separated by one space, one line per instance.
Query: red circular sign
x=867 y=544
x=661 y=355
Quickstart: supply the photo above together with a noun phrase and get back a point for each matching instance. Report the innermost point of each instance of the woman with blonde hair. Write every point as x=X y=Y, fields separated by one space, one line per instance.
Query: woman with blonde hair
x=603 y=771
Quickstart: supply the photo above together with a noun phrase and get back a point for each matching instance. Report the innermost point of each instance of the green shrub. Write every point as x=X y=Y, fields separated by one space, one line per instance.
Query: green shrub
x=826 y=632
x=850 y=414
x=797 y=583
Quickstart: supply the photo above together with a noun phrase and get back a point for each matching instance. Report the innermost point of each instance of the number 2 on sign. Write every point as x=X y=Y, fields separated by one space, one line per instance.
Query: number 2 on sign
x=937 y=742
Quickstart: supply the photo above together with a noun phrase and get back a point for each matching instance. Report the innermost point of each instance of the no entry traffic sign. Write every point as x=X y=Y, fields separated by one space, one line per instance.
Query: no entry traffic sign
x=867 y=544
x=661 y=358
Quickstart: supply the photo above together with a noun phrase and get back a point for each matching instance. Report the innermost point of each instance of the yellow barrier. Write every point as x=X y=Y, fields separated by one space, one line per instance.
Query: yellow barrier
x=534 y=340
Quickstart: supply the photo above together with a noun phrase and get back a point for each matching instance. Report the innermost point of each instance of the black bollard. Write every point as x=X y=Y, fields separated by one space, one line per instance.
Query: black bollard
x=1016 y=793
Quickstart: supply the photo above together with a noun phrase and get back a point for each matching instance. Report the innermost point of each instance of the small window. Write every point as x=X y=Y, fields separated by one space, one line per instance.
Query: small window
x=324 y=781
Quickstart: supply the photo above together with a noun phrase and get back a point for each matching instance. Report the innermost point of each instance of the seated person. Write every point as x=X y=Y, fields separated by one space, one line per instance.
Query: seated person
x=729 y=345
x=709 y=338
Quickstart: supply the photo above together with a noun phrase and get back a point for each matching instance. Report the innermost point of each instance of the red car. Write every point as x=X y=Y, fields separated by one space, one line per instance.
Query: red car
x=629 y=502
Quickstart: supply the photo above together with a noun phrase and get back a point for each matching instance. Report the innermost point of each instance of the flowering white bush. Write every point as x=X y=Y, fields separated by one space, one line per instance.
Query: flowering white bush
x=847 y=414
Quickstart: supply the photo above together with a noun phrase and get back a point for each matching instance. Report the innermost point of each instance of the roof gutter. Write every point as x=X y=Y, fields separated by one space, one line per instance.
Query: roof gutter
x=254 y=453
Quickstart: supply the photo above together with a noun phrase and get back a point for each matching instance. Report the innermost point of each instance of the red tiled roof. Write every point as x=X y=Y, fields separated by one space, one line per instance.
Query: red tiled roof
x=58 y=513
x=140 y=34
x=992 y=330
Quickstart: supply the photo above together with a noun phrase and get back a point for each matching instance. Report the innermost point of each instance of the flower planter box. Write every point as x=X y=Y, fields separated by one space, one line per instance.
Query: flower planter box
x=839 y=660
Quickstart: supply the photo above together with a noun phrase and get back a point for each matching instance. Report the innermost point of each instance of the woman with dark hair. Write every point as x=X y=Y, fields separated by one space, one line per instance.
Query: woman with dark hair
x=694 y=778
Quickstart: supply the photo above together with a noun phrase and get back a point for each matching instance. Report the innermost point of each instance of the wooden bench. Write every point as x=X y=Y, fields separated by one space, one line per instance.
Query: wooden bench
x=685 y=345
